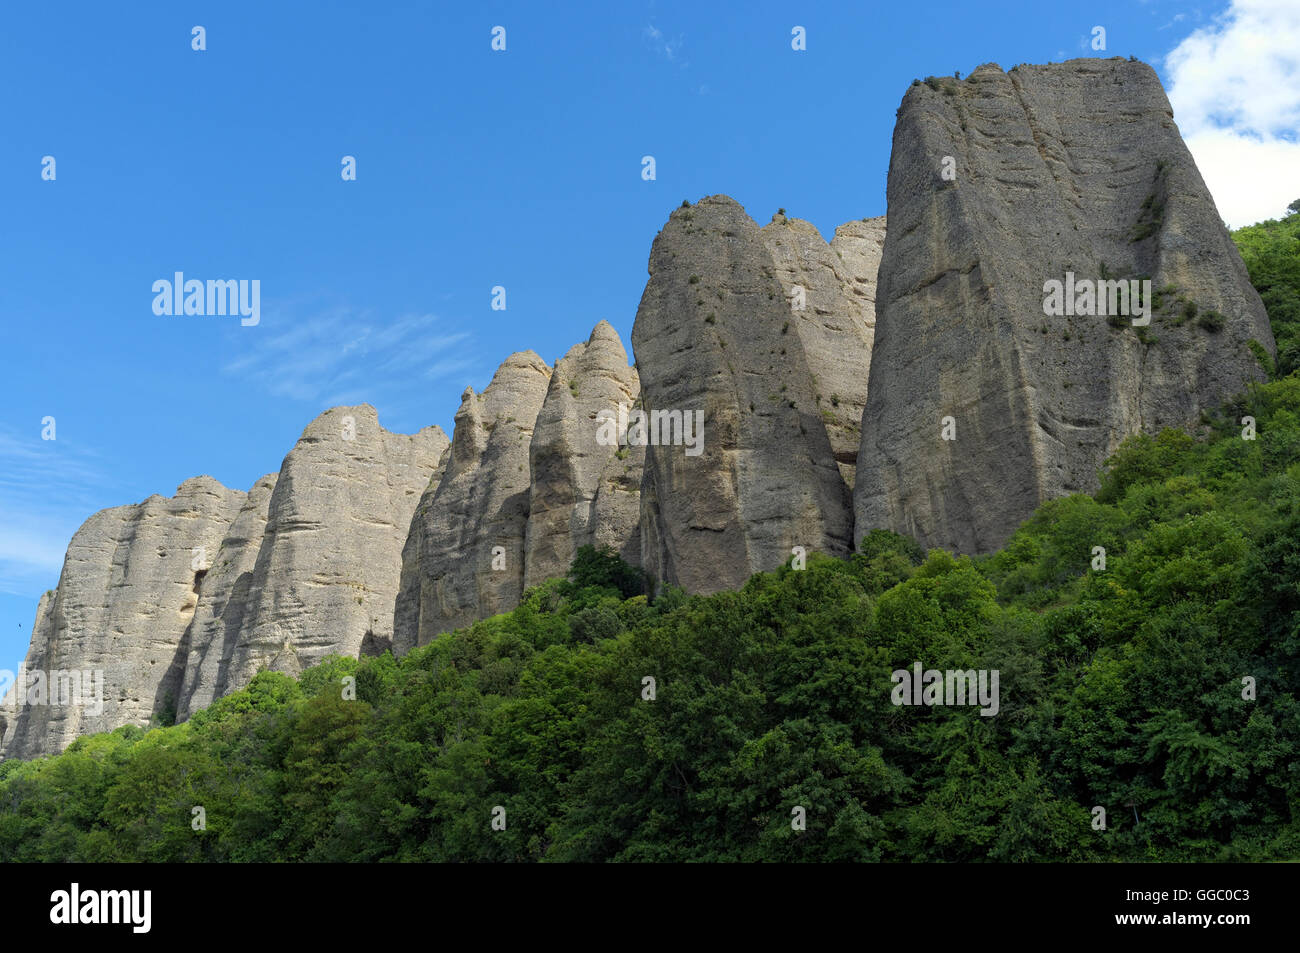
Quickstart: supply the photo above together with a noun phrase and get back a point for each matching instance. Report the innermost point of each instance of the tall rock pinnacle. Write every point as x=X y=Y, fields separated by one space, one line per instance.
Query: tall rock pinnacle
x=980 y=405
x=836 y=324
x=326 y=573
x=583 y=492
x=715 y=333
x=464 y=558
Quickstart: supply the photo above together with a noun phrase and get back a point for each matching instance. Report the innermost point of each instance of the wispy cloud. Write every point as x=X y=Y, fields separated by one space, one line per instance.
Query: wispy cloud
x=343 y=356
x=1235 y=89
x=47 y=489
x=669 y=48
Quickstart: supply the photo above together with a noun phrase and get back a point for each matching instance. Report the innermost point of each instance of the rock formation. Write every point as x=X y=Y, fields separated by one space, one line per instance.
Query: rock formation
x=465 y=556
x=210 y=639
x=583 y=492
x=325 y=577
x=1070 y=168
x=716 y=333
x=128 y=590
x=944 y=402
x=837 y=287
x=527 y=482
x=179 y=601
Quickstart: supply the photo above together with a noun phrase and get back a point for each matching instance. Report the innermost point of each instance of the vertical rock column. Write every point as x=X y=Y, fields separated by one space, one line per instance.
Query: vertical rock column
x=464 y=558
x=713 y=334
x=999 y=184
x=583 y=492
x=326 y=575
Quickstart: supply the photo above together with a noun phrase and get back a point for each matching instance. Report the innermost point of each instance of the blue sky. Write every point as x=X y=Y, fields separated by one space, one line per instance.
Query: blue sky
x=475 y=168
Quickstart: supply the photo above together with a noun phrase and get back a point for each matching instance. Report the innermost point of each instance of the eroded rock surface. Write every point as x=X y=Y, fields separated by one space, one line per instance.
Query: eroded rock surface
x=328 y=564
x=127 y=593
x=1074 y=167
x=465 y=558
x=583 y=492
x=715 y=333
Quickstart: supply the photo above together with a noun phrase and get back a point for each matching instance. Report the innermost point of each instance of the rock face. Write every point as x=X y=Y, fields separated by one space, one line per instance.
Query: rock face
x=527 y=482
x=837 y=320
x=715 y=333
x=408 y=608
x=325 y=576
x=128 y=590
x=465 y=556
x=210 y=641
x=793 y=392
x=583 y=492
x=1076 y=167
x=180 y=601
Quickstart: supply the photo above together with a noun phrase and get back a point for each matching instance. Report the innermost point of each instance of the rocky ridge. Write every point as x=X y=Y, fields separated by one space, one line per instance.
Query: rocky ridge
x=824 y=374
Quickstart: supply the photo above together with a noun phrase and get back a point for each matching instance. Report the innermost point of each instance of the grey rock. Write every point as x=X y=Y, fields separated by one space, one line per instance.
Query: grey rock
x=1069 y=167
x=616 y=510
x=408 y=607
x=213 y=634
x=328 y=565
x=13 y=699
x=180 y=601
x=838 y=317
x=127 y=593
x=712 y=334
x=367 y=539
x=583 y=492
x=476 y=516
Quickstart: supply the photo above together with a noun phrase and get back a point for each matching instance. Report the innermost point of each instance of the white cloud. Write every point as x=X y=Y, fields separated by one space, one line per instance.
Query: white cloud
x=1251 y=179
x=343 y=353
x=660 y=44
x=1235 y=89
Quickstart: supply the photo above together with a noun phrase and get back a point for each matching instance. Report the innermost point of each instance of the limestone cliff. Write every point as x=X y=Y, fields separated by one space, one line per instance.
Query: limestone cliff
x=787 y=391
x=128 y=591
x=583 y=492
x=325 y=576
x=832 y=290
x=171 y=603
x=465 y=556
x=209 y=642
x=716 y=334
x=999 y=184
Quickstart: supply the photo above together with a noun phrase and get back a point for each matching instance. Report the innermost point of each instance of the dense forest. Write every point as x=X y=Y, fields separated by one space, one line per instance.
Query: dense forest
x=1159 y=684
